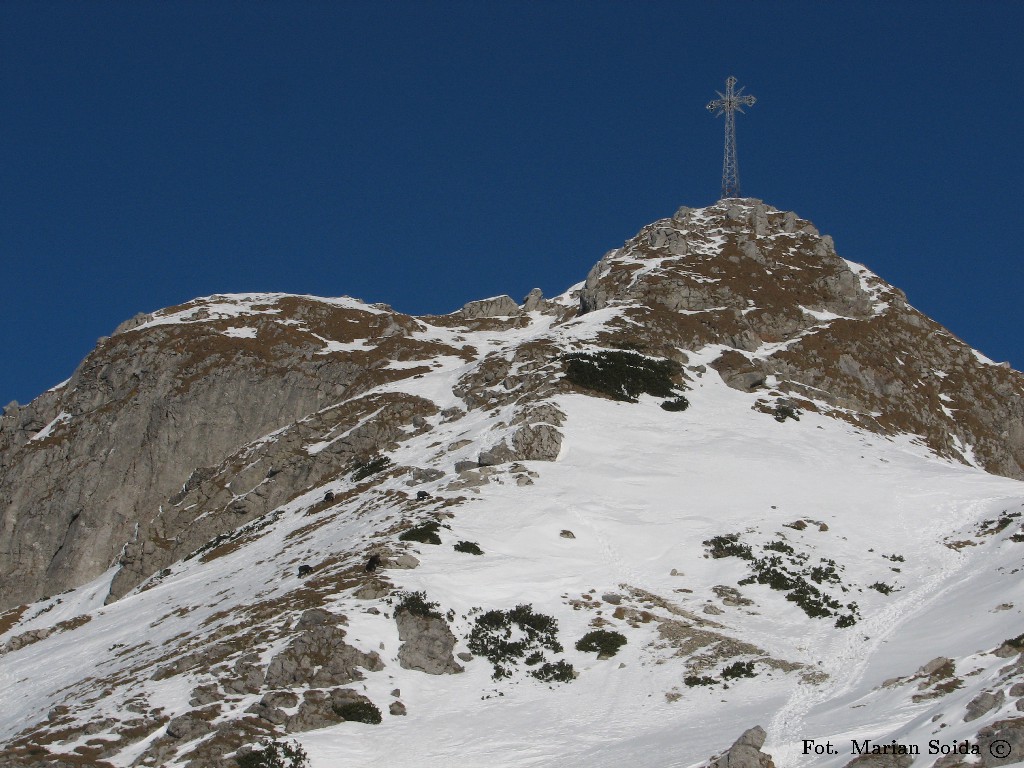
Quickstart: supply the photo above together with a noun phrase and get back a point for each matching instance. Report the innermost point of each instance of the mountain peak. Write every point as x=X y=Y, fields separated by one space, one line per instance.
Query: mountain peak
x=801 y=324
x=269 y=514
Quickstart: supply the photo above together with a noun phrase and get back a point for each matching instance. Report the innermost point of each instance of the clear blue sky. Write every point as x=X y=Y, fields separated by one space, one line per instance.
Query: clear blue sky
x=428 y=153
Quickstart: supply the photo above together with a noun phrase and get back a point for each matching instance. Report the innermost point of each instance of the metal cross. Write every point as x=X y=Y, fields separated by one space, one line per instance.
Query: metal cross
x=729 y=104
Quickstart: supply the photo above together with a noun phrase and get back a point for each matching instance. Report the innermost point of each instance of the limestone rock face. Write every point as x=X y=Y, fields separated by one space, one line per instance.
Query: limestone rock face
x=427 y=644
x=85 y=463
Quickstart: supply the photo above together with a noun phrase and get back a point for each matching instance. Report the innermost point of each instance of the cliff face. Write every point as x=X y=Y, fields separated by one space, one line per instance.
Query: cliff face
x=84 y=465
x=164 y=423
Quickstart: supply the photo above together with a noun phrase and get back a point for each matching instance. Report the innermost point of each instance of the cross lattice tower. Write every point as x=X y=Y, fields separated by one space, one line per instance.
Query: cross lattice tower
x=728 y=104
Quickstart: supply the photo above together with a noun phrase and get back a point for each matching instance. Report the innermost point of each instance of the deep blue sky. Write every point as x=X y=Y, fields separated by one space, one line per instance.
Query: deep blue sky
x=428 y=153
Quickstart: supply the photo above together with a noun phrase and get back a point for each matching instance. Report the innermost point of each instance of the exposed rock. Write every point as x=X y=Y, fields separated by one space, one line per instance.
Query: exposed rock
x=730 y=596
x=397 y=708
x=316 y=617
x=982 y=703
x=499 y=306
x=189 y=726
x=320 y=709
x=462 y=466
x=205 y=694
x=745 y=752
x=427 y=475
x=247 y=676
x=143 y=410
x=319 y=657
x=567 y=534
x=532 y=442
x=739 y=372
x=935 y=665
x=372 y=590
x=427 y=644
x=881 y=761
x=534 y=301
x=273 y=705
x=1011 y=733
x=405 y=561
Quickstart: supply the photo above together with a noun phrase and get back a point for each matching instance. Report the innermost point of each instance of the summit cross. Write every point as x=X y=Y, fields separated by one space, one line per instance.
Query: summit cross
x=729 y=103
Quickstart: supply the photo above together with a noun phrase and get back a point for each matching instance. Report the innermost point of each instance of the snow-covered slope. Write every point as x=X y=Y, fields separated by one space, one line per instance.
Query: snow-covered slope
x=771 y=556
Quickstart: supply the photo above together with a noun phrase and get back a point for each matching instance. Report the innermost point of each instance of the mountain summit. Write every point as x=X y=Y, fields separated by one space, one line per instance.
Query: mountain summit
x=741 y=465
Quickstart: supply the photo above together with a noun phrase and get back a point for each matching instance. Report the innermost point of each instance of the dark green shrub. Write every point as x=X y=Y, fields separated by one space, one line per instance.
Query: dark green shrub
x=881 y=586
x=491 y=637
x=621 y=375
x=469 y=547
x=825 y=573
x=416 y=603
x=606 y=643
x=363 y=468
x=783 y=412
x=358 y=712
x=275 y=754
x=695 y=680
x=786 y=571
x=555 y=672
x=424 y=533
x=728 y=546
x=739 y=669
x=847 y=620
x=678 y=403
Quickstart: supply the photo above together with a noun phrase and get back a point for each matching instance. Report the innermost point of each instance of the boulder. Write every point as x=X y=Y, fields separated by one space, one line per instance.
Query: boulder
x=427 y=644
x=191 y=725
x=739 y=372
x=745 y=752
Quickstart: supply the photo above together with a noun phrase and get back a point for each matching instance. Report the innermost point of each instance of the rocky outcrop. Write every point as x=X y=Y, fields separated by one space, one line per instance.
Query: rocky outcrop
x=536 y=437
x=745 y=752
x=534 y=301
x=982 y=704
x=499 y=306
x=427 y=644
x=319 y=657
x=1010 y=737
